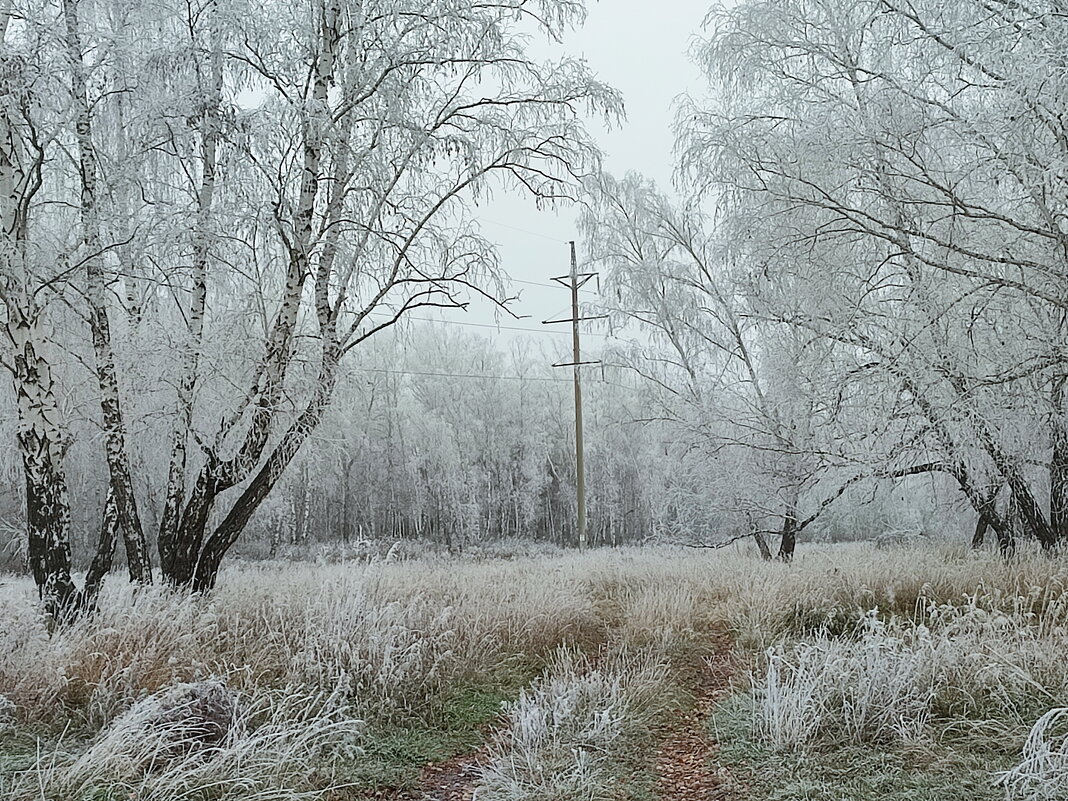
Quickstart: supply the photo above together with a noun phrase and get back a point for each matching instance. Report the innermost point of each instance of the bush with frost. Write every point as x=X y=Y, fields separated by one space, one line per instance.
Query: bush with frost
x=962 y=666
x=194 y=742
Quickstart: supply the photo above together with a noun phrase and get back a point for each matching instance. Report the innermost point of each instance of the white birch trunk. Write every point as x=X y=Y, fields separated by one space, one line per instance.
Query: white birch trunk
x=114 y=426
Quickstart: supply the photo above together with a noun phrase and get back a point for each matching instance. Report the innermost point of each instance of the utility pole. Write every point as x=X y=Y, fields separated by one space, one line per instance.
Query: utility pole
x=574 y=282
x=580 y=459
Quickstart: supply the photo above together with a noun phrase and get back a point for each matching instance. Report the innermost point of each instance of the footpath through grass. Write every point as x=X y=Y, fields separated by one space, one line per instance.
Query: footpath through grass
x=394 y=756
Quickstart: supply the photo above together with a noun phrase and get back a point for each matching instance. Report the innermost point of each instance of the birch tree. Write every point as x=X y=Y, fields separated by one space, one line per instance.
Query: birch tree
x=751 y=392
x=91 y=255
x=894 y=171
x=243 y=194
x=379 y=123
x=30 y=127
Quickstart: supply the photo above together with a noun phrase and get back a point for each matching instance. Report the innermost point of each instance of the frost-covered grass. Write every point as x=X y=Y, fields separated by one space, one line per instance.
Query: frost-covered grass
x=1043 y=771
x=571 y=735
x=964 y=668
x=559 y=661
x=266 y=756
x=399 y=636
x=933 y=771
x=917 y=671
x=424 y=653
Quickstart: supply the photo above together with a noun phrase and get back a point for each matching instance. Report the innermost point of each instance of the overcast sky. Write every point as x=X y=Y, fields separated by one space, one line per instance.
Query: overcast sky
x=645 y=56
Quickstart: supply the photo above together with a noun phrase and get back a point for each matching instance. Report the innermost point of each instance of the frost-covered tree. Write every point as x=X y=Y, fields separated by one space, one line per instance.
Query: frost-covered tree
x=893 y=173
x=43 y=122
x=239 y=195
x=749 y=392
x=383 y=123
x=463 y=442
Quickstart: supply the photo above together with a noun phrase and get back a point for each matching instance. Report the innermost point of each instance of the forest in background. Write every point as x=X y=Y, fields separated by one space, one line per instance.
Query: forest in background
x=441 y=437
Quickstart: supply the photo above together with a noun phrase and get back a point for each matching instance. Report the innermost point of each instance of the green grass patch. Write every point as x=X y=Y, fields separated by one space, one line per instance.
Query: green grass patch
x=930 y=771
x=18 y=751
x=395 y=754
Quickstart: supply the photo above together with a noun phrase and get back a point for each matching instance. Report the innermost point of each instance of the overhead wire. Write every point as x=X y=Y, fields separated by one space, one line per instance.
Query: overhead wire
x=524 y=329
x=524 y=231
x=466 y=375
x=508 y=327
x=550 y=286
x=487 y=377
x=540 y=236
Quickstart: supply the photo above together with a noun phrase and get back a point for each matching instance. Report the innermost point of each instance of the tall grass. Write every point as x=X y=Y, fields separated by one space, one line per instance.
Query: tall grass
x=267 y=754
x=965 y=667
x=402 y=633
x=847 y=643
x=399 y=635
x=1043 y=771
x=567 y=737
x=955 y=656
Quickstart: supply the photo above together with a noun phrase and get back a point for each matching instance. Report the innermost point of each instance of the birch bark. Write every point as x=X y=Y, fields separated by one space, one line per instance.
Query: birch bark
x=121 y=484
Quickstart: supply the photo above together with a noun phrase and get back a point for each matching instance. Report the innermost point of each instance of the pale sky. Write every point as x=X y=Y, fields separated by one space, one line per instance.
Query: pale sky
x=641 y=49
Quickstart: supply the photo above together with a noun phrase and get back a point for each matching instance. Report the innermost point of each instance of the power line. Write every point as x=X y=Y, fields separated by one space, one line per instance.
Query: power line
x=488 y=377
x=465 y=375
x=550 y=286
x=482 y=325
x=502 y=327
x=522 y=230
x=530 y=283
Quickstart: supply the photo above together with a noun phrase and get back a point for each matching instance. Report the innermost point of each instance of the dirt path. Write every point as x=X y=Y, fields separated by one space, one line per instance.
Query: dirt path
x=451 y=780
x=685 y=760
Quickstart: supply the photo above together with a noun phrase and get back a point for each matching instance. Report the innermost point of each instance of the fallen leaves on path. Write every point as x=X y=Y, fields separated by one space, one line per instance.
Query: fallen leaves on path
x=685 y=761
x=451 y=780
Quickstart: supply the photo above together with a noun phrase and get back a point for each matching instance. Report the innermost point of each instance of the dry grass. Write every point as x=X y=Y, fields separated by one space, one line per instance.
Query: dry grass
x=1043 y=771
x=391 y=643
x=910 y=638
x=282 y=747
x=397 y=634
x=568 y=735
x=964 y=667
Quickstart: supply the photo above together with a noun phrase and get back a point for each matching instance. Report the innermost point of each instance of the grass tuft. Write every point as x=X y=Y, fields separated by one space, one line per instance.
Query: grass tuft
x=569 y=736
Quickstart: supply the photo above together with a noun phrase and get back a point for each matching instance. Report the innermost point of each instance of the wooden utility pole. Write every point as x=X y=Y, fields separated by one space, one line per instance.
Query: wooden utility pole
x=580 y=461
x=574 y=282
